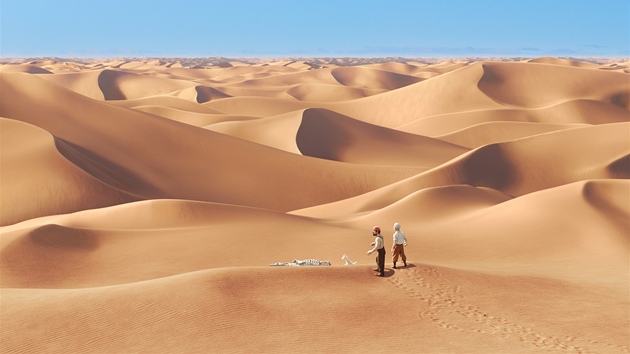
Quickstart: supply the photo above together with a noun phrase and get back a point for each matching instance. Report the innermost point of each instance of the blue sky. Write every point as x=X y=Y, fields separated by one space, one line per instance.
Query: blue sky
x=321 y=28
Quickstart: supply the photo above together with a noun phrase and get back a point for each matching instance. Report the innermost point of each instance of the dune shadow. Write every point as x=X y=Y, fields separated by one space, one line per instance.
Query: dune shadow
x=108 y=83
x=100 y=168
x=409 y=265
x=389 y=271
x=320 y=136
x=63 y=237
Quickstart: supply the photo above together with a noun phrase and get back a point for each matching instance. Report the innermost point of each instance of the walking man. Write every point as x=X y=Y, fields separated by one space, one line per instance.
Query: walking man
x=398 y=247
x=379 y=246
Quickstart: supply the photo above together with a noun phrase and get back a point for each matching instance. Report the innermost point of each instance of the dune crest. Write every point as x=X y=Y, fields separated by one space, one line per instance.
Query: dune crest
x=142 y=202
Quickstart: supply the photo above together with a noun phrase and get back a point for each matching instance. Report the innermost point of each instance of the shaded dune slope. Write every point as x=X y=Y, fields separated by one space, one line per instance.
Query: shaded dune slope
x=515 y=168
x=328 y=135
x=54 y=184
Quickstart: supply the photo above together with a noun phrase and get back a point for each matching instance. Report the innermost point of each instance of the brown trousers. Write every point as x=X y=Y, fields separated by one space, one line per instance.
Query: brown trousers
x=380 y=261
x=399 y=250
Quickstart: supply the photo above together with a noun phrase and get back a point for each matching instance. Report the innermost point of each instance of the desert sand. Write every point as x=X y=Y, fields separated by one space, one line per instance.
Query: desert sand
x=143 y=202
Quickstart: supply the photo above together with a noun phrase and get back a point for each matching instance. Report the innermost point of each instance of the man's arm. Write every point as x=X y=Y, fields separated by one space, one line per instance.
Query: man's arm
x=373 y=249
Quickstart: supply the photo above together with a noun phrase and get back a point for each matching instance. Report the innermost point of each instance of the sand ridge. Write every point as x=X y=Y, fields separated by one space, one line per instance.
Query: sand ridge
x=143 y=201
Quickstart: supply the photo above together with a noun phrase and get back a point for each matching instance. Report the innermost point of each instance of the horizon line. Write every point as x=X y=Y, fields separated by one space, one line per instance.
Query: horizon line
x=312 y=56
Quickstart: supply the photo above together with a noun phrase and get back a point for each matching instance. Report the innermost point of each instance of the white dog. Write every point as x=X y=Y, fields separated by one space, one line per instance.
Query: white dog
x=348 y=261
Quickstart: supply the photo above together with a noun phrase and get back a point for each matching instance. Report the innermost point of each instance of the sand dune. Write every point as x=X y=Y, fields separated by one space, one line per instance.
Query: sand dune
x=117 y=85
x=329 y=93
x=201 y=94
x=216 y=306
x=568 y=112
x=54 y=184
x=84 y=83
x=143 y=202
x=328 y=135
x=515 y=243
x=102 y=246
x=24 y=68
x=587 y=244
x=495 y=132
x=480 y=86
x=151 y=167
x=257 y=106
x=451 y=92
x=565 y=62
x=198 y=119
x=550 y=84
x=542 y=164
x=167 y=102
x=370 y=78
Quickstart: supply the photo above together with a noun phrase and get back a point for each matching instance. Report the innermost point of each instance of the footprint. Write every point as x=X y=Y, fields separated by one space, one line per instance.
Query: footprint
x=448 y=309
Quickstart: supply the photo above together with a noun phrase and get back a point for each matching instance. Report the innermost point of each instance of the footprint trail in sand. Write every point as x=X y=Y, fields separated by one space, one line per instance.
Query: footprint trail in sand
x=447 y=307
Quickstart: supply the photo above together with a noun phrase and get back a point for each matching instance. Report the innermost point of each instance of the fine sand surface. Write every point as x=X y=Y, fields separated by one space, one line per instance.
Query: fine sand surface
x=143 y=202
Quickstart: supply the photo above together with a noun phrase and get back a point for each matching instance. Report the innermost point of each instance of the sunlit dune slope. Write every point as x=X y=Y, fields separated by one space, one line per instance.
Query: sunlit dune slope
x=494 y=132
x=489 y=86
x=24 y=68
x=532 y=85
x=577 y=111
x=167 y=102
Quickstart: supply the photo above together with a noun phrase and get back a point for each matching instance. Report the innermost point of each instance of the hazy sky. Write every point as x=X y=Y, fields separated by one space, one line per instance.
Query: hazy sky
x=368 y=28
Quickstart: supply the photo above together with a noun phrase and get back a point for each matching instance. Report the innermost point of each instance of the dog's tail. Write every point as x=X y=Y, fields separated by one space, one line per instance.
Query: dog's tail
x=347 y=260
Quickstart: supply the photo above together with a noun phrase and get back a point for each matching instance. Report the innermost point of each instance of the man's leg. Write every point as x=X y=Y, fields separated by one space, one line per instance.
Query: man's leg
x=402 y=253
x=381 y=261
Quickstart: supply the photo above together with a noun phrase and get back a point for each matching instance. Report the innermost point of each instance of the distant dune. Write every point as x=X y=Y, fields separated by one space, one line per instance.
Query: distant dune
x=143 y=201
